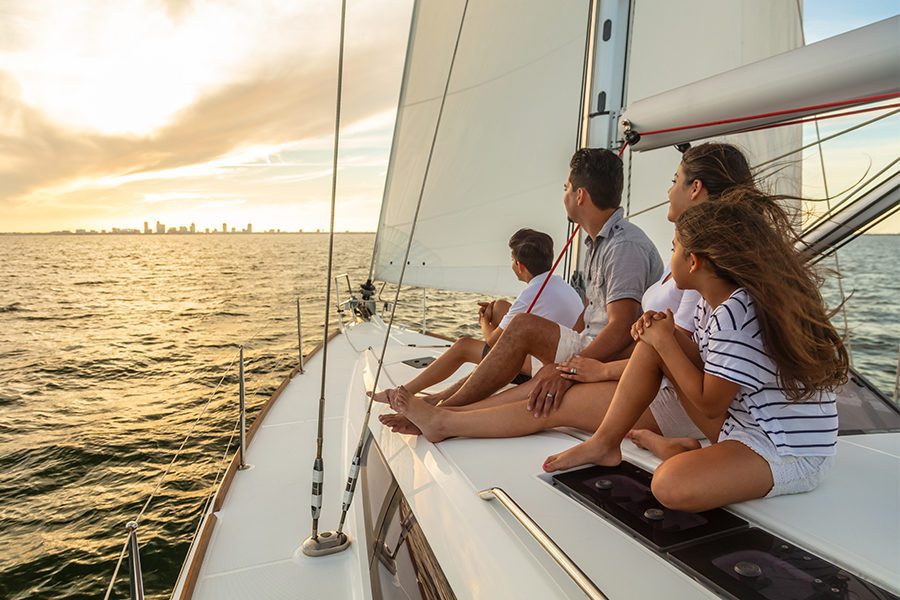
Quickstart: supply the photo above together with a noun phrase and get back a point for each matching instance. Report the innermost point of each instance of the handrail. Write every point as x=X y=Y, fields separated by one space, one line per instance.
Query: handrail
x=556 y=553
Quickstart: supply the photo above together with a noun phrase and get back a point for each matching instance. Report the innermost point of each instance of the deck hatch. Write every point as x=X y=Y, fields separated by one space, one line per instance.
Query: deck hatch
x=623 y=494
x=419 y=363
x=756 y=565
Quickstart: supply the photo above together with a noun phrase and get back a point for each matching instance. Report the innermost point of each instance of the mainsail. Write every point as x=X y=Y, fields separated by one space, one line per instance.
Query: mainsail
x=511 y=123
x=509 y=127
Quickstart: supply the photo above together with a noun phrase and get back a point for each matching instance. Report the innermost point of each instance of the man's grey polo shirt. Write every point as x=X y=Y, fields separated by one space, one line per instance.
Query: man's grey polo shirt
x=621 y=264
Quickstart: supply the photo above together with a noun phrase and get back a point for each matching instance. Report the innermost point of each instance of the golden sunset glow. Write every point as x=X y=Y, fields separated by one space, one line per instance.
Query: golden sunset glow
x=181 y=111
x=194 y=111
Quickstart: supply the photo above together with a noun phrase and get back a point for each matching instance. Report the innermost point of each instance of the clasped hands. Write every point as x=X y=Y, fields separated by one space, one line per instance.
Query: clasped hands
x=654 y=327
x=486 y=311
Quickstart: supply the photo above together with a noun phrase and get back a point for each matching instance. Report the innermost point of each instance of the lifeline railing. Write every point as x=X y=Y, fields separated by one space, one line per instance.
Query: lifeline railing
x=131 y=546
x=378 y=305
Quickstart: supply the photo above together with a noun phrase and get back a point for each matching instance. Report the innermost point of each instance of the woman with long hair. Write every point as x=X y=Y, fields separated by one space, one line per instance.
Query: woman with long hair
x=764 y=361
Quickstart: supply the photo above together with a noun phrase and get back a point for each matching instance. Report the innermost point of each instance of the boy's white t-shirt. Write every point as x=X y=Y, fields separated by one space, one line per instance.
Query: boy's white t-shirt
x=559 y=302
x=731 y=347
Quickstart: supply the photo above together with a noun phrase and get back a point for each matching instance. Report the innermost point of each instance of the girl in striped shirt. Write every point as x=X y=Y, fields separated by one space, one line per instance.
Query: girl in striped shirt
x=764 y=359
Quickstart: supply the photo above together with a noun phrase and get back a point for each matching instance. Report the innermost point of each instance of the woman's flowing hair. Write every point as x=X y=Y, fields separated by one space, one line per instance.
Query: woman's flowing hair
x=741 y=246
x=723 y=168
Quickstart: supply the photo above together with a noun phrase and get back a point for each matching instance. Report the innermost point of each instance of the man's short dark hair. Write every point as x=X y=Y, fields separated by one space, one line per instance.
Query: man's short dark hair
x=599 y=171
x=534 y=249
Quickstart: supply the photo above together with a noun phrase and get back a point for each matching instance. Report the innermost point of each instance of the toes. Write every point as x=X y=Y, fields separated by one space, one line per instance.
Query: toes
x=550 y=463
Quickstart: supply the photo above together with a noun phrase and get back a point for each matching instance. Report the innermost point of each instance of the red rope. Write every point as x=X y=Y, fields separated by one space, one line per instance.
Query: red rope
x=622 y=149
x=833 y=116
x=553 y=268
x=777 y=113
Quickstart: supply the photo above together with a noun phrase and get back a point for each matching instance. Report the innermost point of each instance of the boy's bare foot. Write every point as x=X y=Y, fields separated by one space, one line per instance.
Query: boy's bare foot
x=399 y=424
x=381 y=396
x=661 y=447
x=590 y=451
x=426 y=417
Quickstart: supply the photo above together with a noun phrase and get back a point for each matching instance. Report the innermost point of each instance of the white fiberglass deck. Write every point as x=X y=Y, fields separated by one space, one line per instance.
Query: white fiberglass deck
x=852 y=519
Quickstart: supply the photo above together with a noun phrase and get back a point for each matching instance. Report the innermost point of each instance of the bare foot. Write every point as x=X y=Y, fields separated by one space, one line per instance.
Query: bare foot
x=661 y=447
x=590 y=451
x=433 y=399
x=426 y=417
x=381 y=396
x=399 y=424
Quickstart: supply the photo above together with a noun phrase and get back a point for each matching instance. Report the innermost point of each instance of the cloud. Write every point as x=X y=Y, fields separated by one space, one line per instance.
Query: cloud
x=274 y=104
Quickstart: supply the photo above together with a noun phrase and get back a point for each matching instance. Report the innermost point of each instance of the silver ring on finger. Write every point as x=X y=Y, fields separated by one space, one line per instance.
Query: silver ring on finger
x=549 y=396
x=573 y=370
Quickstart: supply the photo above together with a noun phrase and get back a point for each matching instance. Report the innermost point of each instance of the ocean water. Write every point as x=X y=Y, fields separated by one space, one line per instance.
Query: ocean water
x=113 y=348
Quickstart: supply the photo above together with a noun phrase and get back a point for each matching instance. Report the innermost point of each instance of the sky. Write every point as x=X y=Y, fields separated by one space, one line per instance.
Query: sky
x=116 y=112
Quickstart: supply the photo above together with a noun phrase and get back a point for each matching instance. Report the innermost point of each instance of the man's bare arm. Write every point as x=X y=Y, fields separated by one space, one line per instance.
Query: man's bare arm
x=615 y=338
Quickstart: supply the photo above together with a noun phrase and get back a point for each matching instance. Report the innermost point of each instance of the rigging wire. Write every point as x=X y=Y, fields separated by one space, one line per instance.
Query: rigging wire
x=318 y=465
x=355 y=463
x=837 y=263
x=212 y=493
x=828 y=138
x=166 y=472
x=800 y=149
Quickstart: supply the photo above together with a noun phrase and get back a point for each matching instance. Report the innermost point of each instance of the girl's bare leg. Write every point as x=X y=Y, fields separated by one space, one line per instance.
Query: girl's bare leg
x=709 y=427
x=584 y=407
x=661 y=447
x=711 y=477
x=637 y=388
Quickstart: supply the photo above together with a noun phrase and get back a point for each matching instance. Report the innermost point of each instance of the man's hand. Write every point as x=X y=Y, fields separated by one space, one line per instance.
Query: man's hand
x=548 y=392
x=663 y=329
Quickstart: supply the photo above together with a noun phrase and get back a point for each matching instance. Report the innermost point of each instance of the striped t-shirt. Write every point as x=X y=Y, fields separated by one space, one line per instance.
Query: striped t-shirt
x=732 y=348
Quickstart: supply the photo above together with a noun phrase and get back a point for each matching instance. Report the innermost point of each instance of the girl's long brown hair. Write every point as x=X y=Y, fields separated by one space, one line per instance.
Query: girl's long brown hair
x=723 y=168
x=744 y=248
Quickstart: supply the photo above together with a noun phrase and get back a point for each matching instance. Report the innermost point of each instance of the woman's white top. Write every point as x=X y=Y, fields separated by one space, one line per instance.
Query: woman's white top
x=732 y=348
x=665 y=294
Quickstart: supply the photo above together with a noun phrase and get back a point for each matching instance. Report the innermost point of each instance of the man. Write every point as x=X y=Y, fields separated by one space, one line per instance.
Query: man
x=532 y=256
x=620 y=264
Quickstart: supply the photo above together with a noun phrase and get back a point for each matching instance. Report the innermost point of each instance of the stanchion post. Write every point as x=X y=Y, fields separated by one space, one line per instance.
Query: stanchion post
x=136 y=578
x=299 y=336
x=243 y=449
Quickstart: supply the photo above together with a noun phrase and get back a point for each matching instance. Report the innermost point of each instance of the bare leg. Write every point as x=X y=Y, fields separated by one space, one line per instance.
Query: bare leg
x=661 y=447
x=400 y=424
x=637 y=388
x=462 y=351
x=709 y=427
x=584 y=407
x=526 y=334
x=711 y=477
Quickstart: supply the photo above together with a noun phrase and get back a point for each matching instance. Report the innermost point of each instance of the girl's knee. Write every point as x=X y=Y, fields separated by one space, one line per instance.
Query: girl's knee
x=672 y=487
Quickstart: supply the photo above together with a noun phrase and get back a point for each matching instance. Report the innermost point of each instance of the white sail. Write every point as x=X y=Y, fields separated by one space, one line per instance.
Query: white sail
x=675 y=43
x=509 y=127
